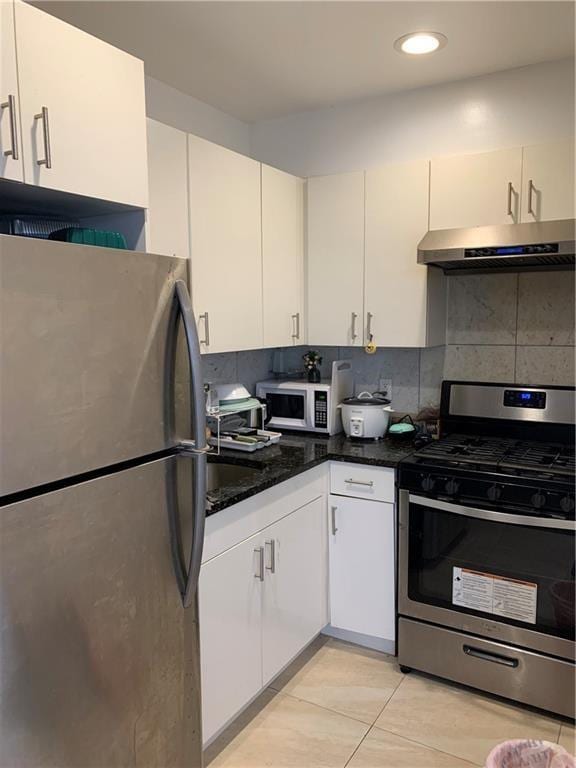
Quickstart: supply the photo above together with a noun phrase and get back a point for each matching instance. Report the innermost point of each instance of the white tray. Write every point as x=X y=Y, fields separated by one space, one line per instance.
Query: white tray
x=235 y=445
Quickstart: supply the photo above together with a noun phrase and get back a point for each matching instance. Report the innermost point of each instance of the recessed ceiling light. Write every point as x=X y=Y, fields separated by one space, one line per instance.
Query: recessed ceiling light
x=417 y=43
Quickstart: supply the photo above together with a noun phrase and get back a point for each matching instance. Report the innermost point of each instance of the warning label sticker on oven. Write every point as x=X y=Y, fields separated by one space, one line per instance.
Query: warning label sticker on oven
x=487 y=592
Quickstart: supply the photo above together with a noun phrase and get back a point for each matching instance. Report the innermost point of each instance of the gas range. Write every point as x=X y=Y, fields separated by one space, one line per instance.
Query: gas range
x=486 y=557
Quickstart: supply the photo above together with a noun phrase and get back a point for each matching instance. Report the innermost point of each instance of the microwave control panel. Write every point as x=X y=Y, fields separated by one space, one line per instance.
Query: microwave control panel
x=320 y=410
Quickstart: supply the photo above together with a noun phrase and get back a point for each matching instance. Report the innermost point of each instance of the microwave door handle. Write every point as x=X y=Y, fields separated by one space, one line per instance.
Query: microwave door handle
x=266 y=409
x=497 y=517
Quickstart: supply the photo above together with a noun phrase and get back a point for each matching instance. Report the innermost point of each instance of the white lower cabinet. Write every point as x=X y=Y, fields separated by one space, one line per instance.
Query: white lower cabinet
x=295 y=585
x=260 y=603
x=361 y=557
x=230 y=605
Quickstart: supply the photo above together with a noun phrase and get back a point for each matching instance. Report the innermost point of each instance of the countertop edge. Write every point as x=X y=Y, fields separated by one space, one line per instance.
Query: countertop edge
x=267 y=483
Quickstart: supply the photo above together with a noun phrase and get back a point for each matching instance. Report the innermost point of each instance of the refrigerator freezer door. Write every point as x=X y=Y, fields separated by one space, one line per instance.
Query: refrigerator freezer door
x=83 y=344
x=99 y=658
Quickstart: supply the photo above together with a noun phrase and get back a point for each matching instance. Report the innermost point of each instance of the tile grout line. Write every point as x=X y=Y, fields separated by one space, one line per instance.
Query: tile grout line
x=324 y=709
x=423 y=744
x=389 y=700
x=336 y=711
x=362 y=740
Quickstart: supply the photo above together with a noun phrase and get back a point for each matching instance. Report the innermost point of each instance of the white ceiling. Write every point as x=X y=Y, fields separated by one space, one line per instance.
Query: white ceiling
x=257 y=60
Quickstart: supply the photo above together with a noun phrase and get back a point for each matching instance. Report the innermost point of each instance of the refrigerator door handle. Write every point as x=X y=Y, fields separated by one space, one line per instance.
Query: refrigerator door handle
x=197 y=398
x=199 y=448
x=198 y=522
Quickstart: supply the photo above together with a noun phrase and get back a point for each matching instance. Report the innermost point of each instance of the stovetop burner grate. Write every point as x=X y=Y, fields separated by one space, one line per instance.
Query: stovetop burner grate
x=502 y=453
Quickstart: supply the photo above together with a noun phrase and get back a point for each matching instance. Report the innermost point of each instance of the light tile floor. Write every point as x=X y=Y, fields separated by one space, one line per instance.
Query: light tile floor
x=339 y=705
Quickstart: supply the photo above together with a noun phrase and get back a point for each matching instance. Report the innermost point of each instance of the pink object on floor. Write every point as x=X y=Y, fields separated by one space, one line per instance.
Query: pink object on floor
x=522 y=753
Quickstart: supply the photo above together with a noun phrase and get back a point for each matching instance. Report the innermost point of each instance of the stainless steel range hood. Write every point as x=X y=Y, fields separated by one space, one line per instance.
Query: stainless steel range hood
x=507 y=247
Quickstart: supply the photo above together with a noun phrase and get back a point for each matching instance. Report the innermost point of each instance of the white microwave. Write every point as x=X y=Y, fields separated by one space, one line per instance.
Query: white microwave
x=304 y=406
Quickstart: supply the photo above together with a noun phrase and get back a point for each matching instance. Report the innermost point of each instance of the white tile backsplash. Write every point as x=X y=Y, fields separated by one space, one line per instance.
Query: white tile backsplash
x=546 y=309
x=482 y=309
x=432 y=361
x=480 y=362
x=485 y=345
x=545 y=365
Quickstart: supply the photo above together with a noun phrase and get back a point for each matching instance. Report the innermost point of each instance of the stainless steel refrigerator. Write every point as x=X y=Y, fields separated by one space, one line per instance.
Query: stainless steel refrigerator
x=101 y=512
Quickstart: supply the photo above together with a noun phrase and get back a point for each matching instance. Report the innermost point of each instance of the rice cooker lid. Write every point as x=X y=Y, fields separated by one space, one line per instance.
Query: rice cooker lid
x=365 y=398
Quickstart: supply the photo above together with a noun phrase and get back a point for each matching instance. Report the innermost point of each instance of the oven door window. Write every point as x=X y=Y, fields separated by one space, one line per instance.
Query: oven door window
x=516 y=574
x=286 y=406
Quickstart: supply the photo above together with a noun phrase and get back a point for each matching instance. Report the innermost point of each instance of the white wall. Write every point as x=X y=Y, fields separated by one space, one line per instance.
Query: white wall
x=170 y=106
x=520 y=106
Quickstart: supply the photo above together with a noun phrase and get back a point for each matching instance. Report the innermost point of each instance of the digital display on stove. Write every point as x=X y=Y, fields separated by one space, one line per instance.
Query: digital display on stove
x=521 y=398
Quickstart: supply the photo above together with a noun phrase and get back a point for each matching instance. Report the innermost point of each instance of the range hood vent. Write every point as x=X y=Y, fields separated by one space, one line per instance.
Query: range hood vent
x=504 y=248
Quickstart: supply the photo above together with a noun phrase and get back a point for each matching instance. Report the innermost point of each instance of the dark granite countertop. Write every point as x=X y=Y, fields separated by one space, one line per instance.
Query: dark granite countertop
x=295 y=454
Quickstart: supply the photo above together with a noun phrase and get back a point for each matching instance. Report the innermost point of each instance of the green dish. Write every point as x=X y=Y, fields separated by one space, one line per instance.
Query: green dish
x=87 y=236
x=400 y=429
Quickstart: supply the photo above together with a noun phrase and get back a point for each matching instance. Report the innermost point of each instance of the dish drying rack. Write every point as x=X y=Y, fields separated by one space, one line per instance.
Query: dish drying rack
x=216 y=415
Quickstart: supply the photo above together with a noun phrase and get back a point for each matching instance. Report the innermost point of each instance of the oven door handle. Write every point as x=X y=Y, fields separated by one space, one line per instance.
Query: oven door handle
x=498 y=517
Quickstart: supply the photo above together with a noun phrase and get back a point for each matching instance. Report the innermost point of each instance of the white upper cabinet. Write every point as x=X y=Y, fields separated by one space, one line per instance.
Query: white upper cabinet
x=403 y=300
x=282 y=258
x=167 y=225
x=475 y=190
x=548 y=182
x=11 y=166
x=225 y=246
x=82 y=111
x=335 y=259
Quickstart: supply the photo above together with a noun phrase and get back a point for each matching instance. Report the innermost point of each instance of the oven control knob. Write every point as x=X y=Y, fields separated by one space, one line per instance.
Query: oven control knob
x=452 y=487
x=494 y=492
x=538 y=499
x=567 y=504
x=428 y=483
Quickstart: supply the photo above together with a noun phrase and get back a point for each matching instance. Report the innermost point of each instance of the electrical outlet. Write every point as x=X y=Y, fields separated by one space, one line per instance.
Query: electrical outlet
x=385 y=386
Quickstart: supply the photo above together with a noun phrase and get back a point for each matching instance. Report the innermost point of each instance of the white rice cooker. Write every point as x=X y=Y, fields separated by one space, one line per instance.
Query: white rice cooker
x=366 y=416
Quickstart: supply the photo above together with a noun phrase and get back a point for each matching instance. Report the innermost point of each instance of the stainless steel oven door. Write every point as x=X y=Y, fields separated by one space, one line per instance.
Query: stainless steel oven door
x=437 y=537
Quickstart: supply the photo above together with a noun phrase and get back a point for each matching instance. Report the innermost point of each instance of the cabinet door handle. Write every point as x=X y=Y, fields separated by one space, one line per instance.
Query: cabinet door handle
x=333 y=520
x=43 y=115
x=10 y=105
x=510 y=196
x=531 y=190
x=260 y=572
x=272 y=559
x=353 y=333
x=206 y=339
x=296 y=326
x=369 y=317
x=367 y=483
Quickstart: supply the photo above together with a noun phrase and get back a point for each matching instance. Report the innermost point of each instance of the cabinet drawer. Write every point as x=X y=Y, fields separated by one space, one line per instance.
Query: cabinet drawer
x=362 y=482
